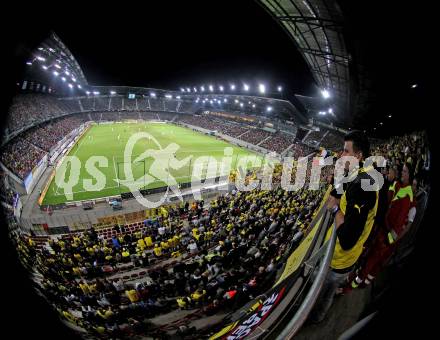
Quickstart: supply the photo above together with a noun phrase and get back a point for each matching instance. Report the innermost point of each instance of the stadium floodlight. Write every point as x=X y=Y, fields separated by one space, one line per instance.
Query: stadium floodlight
x=63 y=79
x=241 y=104
x=57 y=66
x=40 y=48
x=188 y=89
x=79 y=86
x=152 y=94
x=262 y=88
x=29 y=63
x=70 y=85
x=381 y=123
x=55 y=73
x=330 y=110
x=236 y=100
x=112 y=92
x=87 y=92
x=41 y=58
x=325 y=94
x=225 y=100
x=202 y=88
x=210 y=101
x=211 y=88
x=221 y=88
x=374 y=129
x=280 y=88
x=195 y=89
x=95 y=93
x=168 y=96
x=246 y=87
x=389 y=116
x=253 y=105
x=182 y=89
x=51 y=49
x=414 y=86
x=44 y=67
x=67 y=73
x=249 y=103
x=177 y=97
x=74 y=79
x=269 y=108
x=232 y=87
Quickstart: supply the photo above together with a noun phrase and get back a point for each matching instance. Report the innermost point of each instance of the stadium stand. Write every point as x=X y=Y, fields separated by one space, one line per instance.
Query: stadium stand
x=111 y=116
x=88 y=103
x=96 y=116
x=170 y=105
x=115 y=103
x=278 y=143
x=27 y=109
x=148 y=115
x=47 y=136
x=256 y=136
x=69 y=105
x=314 y=137
x=129 y=104
x=101 y=103
x=21 y=157
x=156 y=104
x=129 y=115
x=143 y=104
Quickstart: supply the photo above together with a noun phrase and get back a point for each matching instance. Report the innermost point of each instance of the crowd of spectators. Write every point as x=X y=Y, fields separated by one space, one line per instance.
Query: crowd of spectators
x=22 y=154
x=47 y=136
x=101 y=103
x=31 y=108
x=314 y=137
x=255 y=136
x=129 y=104
x=233 y=130
x=111 y=116
x=170 y=105
x=260 y=228
x=278 y=143
x=21 y=157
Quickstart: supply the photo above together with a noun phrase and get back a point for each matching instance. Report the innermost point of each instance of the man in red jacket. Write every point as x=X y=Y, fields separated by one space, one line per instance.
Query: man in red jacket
x=388 y=236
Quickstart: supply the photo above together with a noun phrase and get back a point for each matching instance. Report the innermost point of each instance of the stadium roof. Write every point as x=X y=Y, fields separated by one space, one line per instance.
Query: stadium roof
x=316 y=28
x=53 y=56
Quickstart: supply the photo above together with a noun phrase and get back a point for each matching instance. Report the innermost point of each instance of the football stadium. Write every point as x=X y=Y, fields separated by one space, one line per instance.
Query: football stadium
x=97 y=139
x=224 y=193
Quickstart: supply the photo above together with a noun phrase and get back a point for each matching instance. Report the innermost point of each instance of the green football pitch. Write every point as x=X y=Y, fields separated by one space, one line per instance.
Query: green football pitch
x=110 y=140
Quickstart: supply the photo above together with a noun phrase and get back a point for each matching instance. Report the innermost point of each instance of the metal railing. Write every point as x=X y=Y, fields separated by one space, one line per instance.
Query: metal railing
x=310 y=299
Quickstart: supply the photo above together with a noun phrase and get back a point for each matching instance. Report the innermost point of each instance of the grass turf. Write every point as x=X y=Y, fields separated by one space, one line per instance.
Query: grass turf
x=109 y=140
